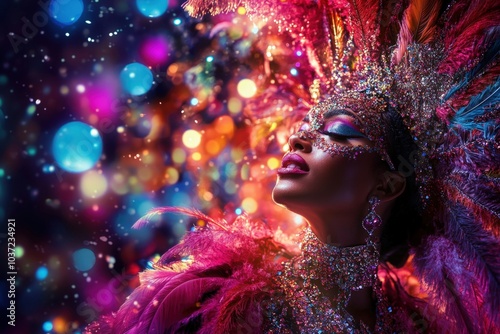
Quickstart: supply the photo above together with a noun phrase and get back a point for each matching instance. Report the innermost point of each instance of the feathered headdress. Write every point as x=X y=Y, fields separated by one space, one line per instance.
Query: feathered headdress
x=438 y=64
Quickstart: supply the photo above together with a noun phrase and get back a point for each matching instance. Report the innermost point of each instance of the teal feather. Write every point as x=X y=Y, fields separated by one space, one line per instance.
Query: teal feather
x=492 y=42
x=486 y=101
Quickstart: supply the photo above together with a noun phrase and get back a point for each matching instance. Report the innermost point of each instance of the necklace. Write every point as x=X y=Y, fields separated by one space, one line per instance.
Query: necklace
x=302 y=305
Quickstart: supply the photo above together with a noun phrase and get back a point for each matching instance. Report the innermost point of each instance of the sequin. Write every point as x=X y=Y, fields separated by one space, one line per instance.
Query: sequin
x=302 y=304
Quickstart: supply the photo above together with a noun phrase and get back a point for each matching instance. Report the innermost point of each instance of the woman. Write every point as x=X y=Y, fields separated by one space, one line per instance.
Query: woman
x=333 y=176
x=400 y=157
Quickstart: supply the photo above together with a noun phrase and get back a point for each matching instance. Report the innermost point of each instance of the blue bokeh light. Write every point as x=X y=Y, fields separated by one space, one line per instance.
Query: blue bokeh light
x=41 y=273
x=83 y=259
x=152 y=8
x=77 y=147
x=66 y=12
x=136 y=79
x=47 y=326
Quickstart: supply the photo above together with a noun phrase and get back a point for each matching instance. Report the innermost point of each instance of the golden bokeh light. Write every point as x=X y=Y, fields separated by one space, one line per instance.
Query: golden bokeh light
x=93 y=184
x=191 y=138
x=249 y=205
x=246 y=88
x=273 y=163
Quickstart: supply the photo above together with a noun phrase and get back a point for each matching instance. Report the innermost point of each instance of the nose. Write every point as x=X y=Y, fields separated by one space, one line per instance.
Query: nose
x=299 y=142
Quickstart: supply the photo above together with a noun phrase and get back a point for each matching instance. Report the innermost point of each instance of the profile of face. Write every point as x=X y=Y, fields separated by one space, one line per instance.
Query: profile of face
x=329 y=174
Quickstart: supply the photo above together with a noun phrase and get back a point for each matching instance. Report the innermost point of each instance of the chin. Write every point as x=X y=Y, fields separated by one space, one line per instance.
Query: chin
x=280 y=193
x=287 y=197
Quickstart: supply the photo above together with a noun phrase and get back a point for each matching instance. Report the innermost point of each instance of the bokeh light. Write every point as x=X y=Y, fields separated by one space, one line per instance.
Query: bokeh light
x=93 y=184
x=152 y=8
x=118 y=183
x=47 y=326
x=224 y=125
x=273 y=163
x=246 y=88
x=191 y=138
x=213 y=147
x=59 y=325
x=136 y=79
x=41 y=273
x=155 y=50
x=19 y=251
x=171 y=175
x=83 y=259
x=99 y=99
x=234 y=105
x=249 y=204
x=143 y=112
x=241 y=10
x=179 y=156
x=66 y=12
x=76 y=147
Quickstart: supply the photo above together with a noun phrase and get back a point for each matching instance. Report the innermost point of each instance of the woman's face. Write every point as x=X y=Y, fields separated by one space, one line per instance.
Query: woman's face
x=330 y=169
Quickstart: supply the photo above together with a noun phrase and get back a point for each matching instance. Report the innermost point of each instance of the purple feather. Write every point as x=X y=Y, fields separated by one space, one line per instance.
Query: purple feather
x=442 y=268
x=480 y=251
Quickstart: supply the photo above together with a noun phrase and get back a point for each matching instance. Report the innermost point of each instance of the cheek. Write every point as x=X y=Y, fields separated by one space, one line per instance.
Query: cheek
x=347 y=182
x=334 y=183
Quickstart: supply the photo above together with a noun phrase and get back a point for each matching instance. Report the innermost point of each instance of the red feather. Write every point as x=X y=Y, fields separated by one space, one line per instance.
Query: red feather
x=459 y=39
x=361 y=17
x=391 y=14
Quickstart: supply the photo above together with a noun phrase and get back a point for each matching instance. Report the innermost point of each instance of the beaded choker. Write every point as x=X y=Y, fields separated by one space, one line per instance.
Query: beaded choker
x=345 y=268
x=306 y=280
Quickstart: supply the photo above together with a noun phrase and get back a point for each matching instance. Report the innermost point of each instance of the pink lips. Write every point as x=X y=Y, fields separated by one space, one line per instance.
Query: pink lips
x=293 y=164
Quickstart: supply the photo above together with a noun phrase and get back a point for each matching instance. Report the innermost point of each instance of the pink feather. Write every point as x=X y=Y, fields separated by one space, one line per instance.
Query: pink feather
x=143 y=221
x=472 y=25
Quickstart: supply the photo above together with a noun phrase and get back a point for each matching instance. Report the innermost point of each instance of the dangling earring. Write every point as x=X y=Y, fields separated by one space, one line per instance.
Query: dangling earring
x=372 y=221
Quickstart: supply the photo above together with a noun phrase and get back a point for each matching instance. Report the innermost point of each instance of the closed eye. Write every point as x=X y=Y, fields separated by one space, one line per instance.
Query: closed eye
x=334 y=136
x=340 y=130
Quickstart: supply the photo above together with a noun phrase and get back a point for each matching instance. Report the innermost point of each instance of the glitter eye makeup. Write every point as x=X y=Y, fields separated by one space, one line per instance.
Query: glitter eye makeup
x=340 y=129
x=331 y=147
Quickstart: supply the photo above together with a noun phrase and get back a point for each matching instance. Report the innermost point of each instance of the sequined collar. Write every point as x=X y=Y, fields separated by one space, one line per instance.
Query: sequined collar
x=321 y=267
x=347 y=268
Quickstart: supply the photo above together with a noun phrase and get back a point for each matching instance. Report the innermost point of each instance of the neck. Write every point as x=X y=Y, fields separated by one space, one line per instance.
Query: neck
x=341 y=229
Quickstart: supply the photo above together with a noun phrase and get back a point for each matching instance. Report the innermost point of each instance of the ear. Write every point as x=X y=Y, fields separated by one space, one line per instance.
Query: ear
x=390 y=185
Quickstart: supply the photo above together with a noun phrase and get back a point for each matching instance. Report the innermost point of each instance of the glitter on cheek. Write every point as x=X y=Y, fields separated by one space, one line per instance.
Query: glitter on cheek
x=334 y=149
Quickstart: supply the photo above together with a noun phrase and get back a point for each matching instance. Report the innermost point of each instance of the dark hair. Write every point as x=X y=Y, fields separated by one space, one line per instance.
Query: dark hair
x=401 y=231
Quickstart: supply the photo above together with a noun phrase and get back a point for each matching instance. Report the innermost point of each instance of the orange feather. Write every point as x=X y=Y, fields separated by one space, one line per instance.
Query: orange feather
x=418 y=25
